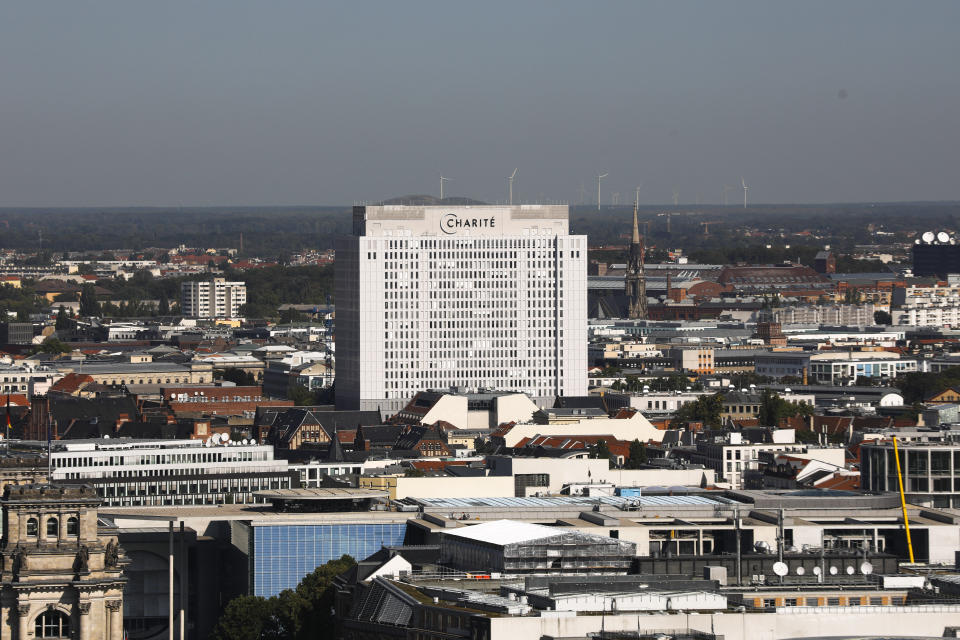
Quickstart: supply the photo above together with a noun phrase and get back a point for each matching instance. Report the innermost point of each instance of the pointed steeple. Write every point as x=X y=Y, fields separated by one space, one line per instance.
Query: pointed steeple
x=635 y=280
x=335 y=451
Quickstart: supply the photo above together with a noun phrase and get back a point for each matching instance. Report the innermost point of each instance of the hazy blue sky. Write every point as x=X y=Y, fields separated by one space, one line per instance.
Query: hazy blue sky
x=229 y=102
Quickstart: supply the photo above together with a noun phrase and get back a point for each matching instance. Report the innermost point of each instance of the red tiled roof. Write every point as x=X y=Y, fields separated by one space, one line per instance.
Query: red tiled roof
x=72 y=382
x=841 y=483
x=576 y=442
x=16 y=400
x=503 y=429
x=436 y=465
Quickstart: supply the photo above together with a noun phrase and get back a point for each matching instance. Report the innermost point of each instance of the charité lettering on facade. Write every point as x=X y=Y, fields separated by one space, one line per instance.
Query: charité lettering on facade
x=451 y=223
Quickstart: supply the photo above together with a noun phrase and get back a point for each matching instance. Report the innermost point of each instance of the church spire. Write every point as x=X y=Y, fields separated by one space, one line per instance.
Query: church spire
x=635 y=281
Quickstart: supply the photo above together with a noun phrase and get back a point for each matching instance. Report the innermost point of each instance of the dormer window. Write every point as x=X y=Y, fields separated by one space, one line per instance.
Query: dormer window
x=53 y=528
x=73 y=526
x=32 y=527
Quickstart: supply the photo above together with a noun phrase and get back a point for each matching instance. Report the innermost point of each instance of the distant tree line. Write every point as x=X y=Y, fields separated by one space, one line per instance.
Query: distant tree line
x=266 y=231
x=271 y=231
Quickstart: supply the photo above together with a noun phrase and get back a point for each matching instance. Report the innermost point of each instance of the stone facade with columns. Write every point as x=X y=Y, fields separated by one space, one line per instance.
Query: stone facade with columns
x=62 y=574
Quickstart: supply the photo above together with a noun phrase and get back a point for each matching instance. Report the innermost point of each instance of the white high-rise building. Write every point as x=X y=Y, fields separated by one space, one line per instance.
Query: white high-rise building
x=216 y=298
x=470 y=297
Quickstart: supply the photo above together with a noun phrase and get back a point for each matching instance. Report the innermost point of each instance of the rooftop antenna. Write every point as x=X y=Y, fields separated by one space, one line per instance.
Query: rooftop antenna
x=442 y=180
x=745 y=189
x=512 y=176
x=599 y=178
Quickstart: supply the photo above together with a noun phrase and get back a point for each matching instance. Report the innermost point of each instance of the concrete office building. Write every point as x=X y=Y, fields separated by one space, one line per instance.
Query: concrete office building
x=931 y=471
x=136 y=473
x=216 y=298
x=470 y=297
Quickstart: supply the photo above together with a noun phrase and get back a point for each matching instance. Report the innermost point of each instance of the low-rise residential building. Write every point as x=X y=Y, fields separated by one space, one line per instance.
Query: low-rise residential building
x=834 y=367
x=838 y=367
x=27 y=379
x=697 y=360
x=731 y=456
x=653 y=402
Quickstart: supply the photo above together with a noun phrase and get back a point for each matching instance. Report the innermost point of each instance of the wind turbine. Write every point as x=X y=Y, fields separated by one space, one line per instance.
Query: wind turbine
x=745 y=189
x=512 y=176
x=600 y=177
x=676 y=198
x=442 y=180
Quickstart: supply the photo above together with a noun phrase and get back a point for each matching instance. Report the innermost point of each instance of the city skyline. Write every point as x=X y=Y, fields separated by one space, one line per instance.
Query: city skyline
x=244 y=104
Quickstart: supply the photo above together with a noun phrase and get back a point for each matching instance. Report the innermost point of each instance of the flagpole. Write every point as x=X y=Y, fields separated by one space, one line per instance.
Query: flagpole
x=49 y=440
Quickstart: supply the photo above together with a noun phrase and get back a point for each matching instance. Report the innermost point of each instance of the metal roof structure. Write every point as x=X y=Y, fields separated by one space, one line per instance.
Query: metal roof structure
x=307 y=493
x=575 y=501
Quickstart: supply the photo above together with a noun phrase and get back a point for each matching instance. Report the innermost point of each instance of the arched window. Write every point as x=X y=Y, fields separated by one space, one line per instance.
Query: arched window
x=32 y=526
x=53 y=527
x=73 y=526
x=52 y=624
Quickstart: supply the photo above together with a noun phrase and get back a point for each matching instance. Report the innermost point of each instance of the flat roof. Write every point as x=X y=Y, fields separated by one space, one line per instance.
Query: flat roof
x=505 y=532
x=574 y=501
x=320 y=494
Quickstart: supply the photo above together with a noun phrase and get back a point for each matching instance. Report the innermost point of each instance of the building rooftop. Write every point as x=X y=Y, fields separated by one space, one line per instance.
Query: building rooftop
x=504 y=532
x=585 y=502
x=320 y=494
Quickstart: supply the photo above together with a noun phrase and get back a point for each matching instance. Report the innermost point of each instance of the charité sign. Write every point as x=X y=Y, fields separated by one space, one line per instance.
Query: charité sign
x=453 y=222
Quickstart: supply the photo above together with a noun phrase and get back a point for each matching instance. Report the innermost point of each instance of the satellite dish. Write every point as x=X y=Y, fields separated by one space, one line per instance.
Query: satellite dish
x=780 y=568
x=917 y=241
x=244 y=441
x=866 y=568
x=817 y=571
x=834 y=571
x=851 y=571
x=943 y=237
x=928 y=236
x=801 y=571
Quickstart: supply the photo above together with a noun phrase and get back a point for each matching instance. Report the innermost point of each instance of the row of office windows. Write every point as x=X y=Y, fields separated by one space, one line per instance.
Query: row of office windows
x=224 y=455
x=831 y=601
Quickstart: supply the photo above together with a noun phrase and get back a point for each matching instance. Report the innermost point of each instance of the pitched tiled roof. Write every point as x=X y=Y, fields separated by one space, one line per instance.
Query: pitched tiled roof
x=15 y=399
x=71 y=383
